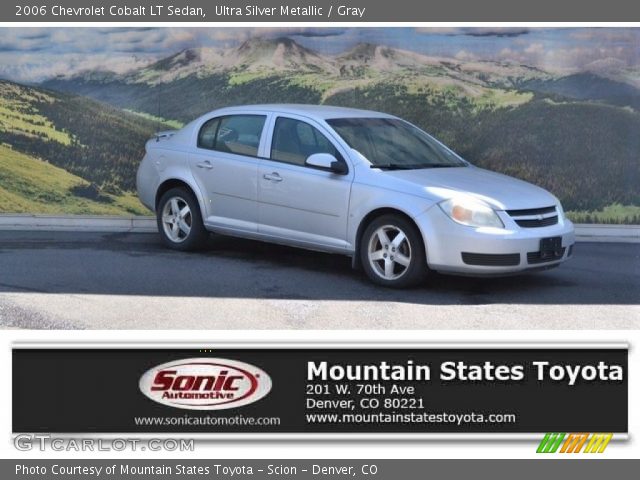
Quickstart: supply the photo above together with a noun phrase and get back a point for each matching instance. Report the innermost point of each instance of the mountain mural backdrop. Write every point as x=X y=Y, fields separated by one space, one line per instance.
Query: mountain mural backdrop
x=71 y=140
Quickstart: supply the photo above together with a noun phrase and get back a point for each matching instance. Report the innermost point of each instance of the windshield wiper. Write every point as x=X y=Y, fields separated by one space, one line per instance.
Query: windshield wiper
x=442 y=165
x=396 y=166
x=415 y=166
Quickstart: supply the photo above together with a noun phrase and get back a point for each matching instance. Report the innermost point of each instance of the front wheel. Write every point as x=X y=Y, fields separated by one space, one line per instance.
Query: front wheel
x=179 y=220
x=392 y=252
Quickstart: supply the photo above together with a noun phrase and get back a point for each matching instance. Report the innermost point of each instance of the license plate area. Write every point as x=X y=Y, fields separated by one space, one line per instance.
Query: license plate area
x=551 y=247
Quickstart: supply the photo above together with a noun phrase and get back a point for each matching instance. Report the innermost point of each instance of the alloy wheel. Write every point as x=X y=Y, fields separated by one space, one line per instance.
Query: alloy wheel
x=176 y=219
x=389 y=252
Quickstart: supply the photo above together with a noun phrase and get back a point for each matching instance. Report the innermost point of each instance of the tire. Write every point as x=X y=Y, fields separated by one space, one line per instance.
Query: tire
x=387 y=240
x=180 y=221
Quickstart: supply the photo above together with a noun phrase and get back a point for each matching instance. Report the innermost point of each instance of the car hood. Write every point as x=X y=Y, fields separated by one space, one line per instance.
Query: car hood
x=500 y=191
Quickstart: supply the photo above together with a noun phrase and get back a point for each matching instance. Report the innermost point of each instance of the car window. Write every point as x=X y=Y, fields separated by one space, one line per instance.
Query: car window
x=207 y=135
x=239 y=134
x=294 y=141
x=389 y=142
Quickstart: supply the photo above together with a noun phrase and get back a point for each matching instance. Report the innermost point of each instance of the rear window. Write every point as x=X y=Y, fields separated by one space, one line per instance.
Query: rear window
x=238 y=134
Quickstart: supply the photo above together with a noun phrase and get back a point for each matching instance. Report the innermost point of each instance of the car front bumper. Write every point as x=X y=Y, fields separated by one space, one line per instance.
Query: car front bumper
x=455 y=248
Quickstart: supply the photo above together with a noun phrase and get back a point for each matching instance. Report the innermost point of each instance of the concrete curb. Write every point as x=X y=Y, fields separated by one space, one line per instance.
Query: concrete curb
x=79 y=223
x=592 y=232
x=90 y=223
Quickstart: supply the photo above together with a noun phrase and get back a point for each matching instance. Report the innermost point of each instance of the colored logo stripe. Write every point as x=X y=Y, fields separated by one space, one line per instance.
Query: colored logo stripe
x=574 y=442
x=598 y=442
x=550 y=442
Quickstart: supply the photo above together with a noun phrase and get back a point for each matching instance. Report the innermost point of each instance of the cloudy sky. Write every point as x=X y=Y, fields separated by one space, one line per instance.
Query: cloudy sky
x=35 y=54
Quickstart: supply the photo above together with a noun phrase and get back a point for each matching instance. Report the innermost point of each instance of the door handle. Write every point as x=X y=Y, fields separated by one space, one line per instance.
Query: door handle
x=274 y=177
x=206 y=164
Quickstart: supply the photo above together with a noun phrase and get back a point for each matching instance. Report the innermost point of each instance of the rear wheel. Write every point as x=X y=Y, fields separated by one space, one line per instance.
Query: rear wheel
x=180 y=221
x=392 y=252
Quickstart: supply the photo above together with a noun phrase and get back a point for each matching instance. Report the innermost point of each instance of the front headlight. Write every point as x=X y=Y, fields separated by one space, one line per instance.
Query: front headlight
x=470 y=212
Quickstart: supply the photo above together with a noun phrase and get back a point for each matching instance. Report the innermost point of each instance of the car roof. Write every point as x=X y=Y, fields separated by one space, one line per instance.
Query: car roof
x=323 y=112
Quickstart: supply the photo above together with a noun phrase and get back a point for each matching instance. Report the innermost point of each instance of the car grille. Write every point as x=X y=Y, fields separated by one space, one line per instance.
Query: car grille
x=534 y=217
x=491 y=260
x=536 y=257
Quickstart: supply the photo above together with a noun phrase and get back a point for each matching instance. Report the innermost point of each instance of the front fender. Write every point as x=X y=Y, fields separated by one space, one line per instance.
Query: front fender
x=366 y=199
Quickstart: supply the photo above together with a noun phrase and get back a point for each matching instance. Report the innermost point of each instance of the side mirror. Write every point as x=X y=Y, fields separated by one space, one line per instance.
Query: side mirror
x=326 y=161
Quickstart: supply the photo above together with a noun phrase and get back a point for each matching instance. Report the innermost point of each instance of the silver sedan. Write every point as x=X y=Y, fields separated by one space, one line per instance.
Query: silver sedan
x=359 y=183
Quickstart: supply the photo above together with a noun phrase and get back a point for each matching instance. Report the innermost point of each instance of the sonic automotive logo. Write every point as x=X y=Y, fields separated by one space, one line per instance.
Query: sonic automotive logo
x=205 y=384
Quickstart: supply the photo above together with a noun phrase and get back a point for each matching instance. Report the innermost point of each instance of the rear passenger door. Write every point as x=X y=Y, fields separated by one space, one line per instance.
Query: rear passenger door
x=225 y=166
x=303 y=205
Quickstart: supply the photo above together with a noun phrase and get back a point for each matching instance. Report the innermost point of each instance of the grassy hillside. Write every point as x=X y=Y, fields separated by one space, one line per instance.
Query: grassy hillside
x=587 y=86
x=169 y=124
x=62 y=153
x=189 y=97
x=94 y=141
x=19 y=115
x=29 y=185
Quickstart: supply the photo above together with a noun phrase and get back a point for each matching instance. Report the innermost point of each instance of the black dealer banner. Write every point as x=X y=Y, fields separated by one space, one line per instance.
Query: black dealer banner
x=323 y=390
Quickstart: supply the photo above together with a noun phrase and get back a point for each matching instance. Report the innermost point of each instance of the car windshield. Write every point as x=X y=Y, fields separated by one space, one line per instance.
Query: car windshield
x=394 y=144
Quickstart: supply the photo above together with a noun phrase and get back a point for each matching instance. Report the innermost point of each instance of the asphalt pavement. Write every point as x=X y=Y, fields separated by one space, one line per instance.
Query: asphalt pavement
x=129 y=281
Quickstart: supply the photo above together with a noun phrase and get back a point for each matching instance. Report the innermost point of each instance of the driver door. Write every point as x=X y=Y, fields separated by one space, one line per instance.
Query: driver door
x=303 y=205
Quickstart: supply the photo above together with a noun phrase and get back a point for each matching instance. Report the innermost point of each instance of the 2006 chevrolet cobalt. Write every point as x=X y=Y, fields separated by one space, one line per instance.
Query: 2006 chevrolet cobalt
x=355 y=182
